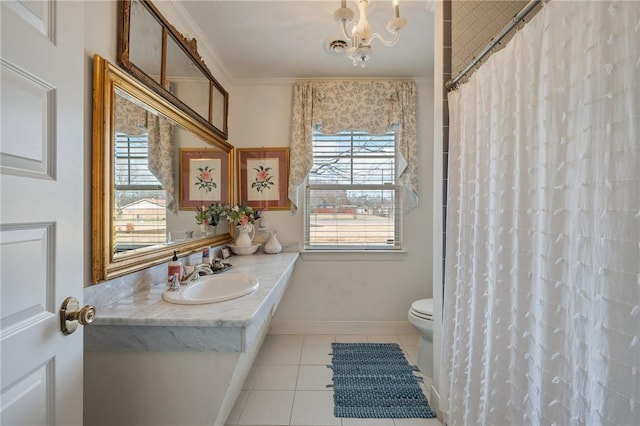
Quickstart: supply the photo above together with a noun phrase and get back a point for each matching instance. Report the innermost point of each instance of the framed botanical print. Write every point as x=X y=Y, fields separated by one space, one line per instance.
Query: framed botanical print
x=203 y=177
x=263 y=175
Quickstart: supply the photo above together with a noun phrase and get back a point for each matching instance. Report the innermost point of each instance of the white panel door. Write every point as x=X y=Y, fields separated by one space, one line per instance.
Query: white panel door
x=41 y=222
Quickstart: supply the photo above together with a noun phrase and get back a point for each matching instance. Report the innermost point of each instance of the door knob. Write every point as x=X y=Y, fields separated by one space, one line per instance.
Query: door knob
x=71 y=315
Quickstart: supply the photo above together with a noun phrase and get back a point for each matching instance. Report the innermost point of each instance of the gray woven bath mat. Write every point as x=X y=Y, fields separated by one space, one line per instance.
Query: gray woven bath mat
x=374 y=380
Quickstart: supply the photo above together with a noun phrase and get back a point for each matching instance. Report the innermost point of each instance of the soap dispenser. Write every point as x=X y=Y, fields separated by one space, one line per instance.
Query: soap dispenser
x=175 y=267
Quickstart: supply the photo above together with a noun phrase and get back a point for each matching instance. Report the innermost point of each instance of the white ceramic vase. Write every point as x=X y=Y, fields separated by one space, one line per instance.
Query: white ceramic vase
x=272 y=246
x=204 y=227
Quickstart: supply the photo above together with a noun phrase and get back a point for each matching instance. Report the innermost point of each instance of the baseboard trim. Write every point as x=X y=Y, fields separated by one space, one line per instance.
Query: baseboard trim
x=434 y=402
x=341 y=327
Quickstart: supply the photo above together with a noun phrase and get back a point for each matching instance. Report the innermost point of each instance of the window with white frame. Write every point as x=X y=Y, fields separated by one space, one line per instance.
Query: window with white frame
x=140 y=216
x=352 y=199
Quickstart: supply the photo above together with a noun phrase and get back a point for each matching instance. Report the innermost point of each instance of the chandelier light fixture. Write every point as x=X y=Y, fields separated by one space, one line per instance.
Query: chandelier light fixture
x=361 y=37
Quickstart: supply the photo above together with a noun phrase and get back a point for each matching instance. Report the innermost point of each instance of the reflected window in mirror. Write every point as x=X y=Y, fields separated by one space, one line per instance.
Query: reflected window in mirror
x=144 y=188
x=139 y=199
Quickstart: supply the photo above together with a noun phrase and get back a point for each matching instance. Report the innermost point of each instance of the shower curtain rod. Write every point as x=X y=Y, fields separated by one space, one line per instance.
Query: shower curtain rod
x=453 y=84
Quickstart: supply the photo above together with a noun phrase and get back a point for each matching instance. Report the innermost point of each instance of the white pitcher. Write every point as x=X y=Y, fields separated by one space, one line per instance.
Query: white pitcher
x=272 y=246
x=244 y=237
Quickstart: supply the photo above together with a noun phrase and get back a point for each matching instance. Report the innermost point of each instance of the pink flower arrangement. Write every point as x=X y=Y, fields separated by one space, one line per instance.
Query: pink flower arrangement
x=236 y=215
x=242 y=214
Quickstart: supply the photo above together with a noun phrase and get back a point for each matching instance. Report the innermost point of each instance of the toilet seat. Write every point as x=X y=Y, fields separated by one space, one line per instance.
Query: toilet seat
x=422 y=309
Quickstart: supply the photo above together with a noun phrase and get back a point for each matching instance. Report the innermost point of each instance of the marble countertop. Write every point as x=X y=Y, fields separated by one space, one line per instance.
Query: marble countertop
x=147 y=308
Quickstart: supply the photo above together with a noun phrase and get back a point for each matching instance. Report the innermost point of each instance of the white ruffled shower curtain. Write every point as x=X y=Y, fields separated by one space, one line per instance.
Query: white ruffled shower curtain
x=542 y=280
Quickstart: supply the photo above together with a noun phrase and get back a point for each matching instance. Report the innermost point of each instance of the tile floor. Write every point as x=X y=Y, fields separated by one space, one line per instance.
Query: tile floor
x=287 y=383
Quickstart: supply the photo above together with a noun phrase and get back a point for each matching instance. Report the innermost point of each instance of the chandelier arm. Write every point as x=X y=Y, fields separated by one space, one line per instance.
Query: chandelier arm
x=396 y=37
x=344 y=29
x=353 y=38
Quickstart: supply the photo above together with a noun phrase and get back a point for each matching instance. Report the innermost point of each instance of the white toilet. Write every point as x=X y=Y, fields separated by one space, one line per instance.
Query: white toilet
x=421 y=316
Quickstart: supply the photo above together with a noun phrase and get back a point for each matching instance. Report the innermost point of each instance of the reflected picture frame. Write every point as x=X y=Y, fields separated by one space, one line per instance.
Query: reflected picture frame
x=263 y=177
x=204 y=175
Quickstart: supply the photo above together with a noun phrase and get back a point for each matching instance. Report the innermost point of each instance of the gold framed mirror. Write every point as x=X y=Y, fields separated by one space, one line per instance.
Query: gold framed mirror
x=151 y=49
x=139 y=217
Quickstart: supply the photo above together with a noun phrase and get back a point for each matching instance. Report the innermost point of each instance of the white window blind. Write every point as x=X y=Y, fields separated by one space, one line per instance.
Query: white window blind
x=352 y=200
x=132 y=163
x=140 y=201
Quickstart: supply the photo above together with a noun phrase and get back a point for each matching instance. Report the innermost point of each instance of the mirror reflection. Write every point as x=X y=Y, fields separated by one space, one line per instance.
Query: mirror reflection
x=147 y=157
x=185 y=80
x=218 y=108
x=147 y=146
x=152 y=49
x=145 y=41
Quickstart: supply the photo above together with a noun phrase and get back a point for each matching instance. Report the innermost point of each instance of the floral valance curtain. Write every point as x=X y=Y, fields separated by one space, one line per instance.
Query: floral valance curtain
x=134 y=120
x=161 y=156
x=371 y=106
x=129 y=118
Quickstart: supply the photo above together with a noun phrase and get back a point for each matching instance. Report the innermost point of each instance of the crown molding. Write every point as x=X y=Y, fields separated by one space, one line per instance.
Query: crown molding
x=290 y=80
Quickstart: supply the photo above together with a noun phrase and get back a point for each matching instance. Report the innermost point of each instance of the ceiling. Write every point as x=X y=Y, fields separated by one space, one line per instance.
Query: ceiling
x=284 y=39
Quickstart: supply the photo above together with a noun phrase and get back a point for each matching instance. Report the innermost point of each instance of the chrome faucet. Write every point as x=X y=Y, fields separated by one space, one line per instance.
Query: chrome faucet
x=218 y=266
x=202 y=269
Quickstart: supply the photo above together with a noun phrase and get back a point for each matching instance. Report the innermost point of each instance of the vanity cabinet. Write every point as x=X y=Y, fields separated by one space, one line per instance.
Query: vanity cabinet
x=149 y=362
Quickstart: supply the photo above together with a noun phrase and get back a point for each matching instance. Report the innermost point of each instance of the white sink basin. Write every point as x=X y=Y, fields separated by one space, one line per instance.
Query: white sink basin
x=213 y=288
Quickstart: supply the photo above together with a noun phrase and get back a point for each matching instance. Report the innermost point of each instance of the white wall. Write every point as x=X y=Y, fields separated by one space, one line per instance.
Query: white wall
x=438 y=212
x=339 y=290
x=260 y=116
